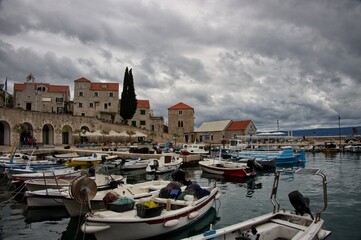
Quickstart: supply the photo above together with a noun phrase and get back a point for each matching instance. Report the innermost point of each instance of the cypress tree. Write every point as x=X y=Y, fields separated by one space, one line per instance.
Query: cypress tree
x=128 y=101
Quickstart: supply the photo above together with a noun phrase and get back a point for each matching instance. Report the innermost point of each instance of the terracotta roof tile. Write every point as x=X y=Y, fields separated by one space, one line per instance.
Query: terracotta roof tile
x=51 y=88
x=238 y=125
x=180 y=106
x=82 y=79
x=99 y=86
x=143 y=104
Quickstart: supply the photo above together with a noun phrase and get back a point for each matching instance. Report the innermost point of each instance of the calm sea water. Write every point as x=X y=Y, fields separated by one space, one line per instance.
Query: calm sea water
x=240 y=200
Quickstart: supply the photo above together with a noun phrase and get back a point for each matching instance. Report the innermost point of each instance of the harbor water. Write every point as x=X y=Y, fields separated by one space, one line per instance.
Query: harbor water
x=240 y=200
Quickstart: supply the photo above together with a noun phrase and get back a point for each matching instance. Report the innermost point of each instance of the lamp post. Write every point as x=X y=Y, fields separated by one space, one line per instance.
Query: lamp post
x=339 y=128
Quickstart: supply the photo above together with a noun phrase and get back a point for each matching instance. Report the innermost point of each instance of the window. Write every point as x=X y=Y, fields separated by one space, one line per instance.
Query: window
x=142 y=112
x=59 y=110
x=180 y=112
x=111 y=94
x=152 y=127
x=91 y=105
x=59 y=100
x=82 y=114
x=105 y=105
x=80 y=105
x=96 y=94
x=180 y=124
x=109 y=104
x=142 y=123
x=81 y=94
x=134 y=123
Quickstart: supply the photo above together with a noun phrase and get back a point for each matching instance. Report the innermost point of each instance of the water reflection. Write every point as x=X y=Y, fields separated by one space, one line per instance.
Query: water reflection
x=250 y=183
x=42 y=214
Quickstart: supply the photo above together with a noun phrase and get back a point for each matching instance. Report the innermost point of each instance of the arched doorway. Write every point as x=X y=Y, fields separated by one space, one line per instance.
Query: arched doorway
x=48 y=134
x=25 y=131
x=5 y=133
x=66 y=134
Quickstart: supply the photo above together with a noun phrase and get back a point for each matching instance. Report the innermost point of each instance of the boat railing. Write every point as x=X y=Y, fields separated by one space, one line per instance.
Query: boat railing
x=306 y=171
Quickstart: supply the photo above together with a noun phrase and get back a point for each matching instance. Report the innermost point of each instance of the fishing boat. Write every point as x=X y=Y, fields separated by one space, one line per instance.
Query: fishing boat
x=195 y=148
x=58 y=189
x=153 y=216
x=298 y=224
x=227 y=168
x=88 y=161
x=166 y=163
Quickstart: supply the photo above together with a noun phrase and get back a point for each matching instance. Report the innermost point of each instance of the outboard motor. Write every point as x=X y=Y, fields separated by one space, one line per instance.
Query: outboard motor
x=250 y=164
x=300 y=203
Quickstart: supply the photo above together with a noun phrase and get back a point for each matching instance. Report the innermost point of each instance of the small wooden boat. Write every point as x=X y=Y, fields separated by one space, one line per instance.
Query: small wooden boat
x=299 y=224
x=146 y=221
x=166 y=163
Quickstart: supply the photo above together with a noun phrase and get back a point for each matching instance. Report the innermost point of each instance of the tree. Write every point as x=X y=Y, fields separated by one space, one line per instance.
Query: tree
x=130 y=133
x=128 y=101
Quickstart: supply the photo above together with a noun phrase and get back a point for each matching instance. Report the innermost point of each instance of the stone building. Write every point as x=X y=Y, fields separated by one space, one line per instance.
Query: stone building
x=181 y=122
x=216 y=132
x=93 y=99
x=143 y=117
x=41 y=97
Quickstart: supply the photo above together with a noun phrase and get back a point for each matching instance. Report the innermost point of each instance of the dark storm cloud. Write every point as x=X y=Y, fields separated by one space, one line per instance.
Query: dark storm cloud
x=293 y=61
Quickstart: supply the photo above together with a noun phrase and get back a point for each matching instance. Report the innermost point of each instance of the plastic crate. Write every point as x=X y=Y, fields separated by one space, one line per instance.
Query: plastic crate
x=120 y=207
x=145 y=212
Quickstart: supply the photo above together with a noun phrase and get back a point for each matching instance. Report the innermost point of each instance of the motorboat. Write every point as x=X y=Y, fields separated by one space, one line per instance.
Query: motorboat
x=153 y=216
x=91 y=160
x=195 y=148
x=132 y=163
x=166 y=163
x=227 y=168
x=300 y=223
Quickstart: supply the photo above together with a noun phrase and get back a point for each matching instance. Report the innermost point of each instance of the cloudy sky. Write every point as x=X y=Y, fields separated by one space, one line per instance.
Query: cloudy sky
x=295 y=61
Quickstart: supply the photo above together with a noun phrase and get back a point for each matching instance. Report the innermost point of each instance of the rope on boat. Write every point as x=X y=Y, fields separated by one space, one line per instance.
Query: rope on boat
x=21 y=187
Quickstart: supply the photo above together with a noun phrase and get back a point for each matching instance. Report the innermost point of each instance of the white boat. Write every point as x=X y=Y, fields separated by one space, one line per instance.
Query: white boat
x=91 y=160
x=134 y=191
x=166 y=163
x=133 y=163
x=101 y=177
x=170 y=215
x=226 y=168
x=236 y=144
x=195 y=148
x=64 y=173
x=16 y=157
x=59 y=189
x=298 y=224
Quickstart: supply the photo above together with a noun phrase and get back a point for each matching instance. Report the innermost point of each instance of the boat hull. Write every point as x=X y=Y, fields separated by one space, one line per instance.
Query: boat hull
x=239 y=171
x=270 y=226
x=129 y=228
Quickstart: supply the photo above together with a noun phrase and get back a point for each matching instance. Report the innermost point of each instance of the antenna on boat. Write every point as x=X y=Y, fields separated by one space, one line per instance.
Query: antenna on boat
x=83 y=190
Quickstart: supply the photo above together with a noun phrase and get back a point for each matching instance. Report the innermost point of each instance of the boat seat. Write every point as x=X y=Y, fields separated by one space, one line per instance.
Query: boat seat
x=289 y=224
